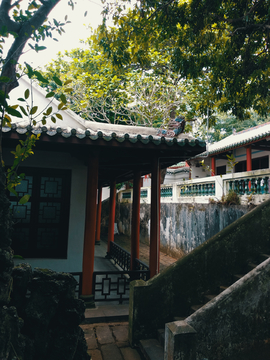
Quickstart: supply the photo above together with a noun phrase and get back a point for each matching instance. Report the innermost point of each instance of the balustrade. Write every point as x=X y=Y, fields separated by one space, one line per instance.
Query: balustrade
x=126 y=195
x=254 y=185
x=166 y=191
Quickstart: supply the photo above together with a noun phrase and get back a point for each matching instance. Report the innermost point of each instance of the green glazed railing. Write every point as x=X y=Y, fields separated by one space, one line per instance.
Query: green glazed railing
x=247 y=186
x=126 y=195
x=207 y=189
x=166 y=192
x=144 y=193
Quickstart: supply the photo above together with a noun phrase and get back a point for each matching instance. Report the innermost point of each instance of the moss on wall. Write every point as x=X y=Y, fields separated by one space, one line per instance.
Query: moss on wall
x=172 y=292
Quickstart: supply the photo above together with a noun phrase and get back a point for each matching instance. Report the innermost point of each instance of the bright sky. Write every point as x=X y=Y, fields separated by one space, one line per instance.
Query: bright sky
x=74 y=32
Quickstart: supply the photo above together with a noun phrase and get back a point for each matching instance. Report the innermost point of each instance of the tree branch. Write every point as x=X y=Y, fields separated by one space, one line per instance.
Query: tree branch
x=24 y=34
x=5 y=20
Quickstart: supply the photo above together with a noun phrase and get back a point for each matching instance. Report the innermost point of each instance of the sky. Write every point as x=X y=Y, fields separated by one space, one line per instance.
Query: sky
x=74 y=32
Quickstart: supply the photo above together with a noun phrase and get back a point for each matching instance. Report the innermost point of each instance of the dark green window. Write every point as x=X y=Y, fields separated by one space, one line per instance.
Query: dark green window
x=41 y=225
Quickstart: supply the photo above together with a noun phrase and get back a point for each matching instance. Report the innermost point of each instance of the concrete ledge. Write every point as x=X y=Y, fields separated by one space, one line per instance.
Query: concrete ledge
x=106 y=313
x=180 y=341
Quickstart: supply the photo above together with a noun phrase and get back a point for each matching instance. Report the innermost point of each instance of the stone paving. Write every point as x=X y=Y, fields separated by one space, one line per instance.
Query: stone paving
x=124 y=242
x=109 y=341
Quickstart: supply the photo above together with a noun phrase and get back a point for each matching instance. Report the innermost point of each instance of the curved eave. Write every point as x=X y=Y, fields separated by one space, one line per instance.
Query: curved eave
x=89 y=136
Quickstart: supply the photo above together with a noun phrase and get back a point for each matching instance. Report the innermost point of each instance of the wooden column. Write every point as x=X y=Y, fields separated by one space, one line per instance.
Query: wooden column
x=213 y=166
x=249 y=159
x=90 y=225
x=155 y=216
x=99 y=206
x=111 y=214
x=135 y=225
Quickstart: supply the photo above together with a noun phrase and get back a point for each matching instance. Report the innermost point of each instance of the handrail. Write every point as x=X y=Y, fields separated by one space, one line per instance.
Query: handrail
x=200 y=190
x=122 y=258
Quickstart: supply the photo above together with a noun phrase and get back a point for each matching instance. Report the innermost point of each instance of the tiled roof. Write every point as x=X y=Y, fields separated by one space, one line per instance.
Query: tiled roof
x=73 y=125
x=107 y=132
x=242 y=138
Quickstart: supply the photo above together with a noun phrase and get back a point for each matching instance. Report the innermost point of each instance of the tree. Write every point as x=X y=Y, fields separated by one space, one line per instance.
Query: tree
x=223 y=42
x=22 y=25
x=128 y=95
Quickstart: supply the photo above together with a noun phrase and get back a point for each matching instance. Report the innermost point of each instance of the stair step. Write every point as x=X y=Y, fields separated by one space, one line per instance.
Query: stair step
x=238 y=276
x=252 y=266
x=264 y=256
x=196 y=307
x=223 y=287
x=161 y=337
x=178 y=318
x=151 y=349
x=209 y=297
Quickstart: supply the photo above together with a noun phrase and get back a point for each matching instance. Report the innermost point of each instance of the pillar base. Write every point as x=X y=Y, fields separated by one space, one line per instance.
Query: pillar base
x=108 y=256
x=88 y=300
x=97 y=242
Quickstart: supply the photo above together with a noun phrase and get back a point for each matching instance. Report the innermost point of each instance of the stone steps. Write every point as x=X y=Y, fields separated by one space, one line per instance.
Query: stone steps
x=153 y=349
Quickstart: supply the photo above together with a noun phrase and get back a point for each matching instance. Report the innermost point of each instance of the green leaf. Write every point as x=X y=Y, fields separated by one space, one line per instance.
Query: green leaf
x=49 y=111
x=40 y=77
x=50 y=94
x=26 y=93
x=33 y=110
x=23 y=110
x=24 y=199
x=30 y=71
x=4 y=79
x=18 y=257
x=63 y=99
x=13 y=112
x=57 y=80
x=53 y=119
x=59 y=116
x=21 y=99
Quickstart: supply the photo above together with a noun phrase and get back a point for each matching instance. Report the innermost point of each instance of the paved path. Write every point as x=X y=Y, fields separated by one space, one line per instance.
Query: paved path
x=109 y=341
x=124 y=242
x=106 y=326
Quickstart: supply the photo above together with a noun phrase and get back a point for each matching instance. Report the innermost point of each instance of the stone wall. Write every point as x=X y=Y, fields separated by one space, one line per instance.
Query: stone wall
x=183 y=227
x=42 y=317
x=172 y=292
x=233 y=326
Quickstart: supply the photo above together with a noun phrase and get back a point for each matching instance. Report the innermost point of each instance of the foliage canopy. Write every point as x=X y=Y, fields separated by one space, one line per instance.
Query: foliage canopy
x=223 y=42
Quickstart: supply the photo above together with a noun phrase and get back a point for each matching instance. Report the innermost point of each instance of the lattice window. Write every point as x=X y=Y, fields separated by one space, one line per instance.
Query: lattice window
x=41 y=225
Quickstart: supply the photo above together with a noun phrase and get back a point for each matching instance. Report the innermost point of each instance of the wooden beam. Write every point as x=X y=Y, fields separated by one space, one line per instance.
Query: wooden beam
x=111 y=214
x=213 y=165
x=135 y=225
x=249 y=160
x=99 y=208
x=155 y=216
x=90 y=225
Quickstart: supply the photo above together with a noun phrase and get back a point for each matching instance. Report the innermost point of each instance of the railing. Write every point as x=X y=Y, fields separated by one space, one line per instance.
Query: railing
x=249 y=185
x=120 y=256
x=246 y=184
x=114 y=285
x=207 y=189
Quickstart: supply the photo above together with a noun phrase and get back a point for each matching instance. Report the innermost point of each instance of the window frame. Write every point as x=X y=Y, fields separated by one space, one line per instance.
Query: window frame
x=32 y=250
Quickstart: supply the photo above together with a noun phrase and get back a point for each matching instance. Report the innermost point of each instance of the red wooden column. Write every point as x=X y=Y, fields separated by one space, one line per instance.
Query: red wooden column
x=155 y=216
x=213 y=166
x=111 y=214
x=135 y=225
x=99 y=215
x=249 y=159
x=90 y=225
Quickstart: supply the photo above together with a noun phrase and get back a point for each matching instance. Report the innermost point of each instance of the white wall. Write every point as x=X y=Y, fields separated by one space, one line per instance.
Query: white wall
x=73 y=263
